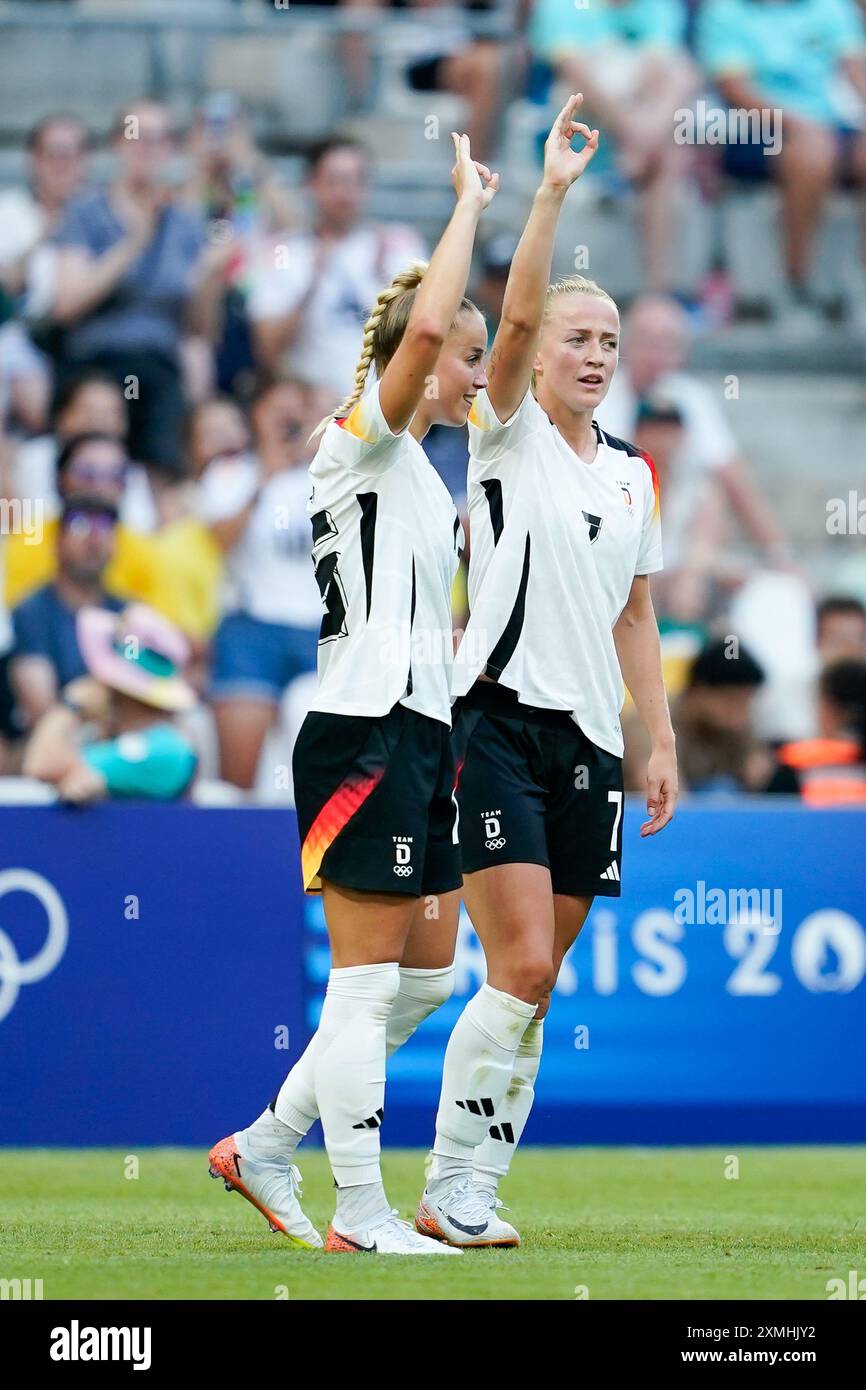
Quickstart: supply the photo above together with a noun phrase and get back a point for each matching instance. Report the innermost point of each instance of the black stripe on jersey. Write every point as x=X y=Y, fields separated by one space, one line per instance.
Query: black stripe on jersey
x=604 y=438
x=368 y=502
x=493 y=493
x=505 y=647
x=411 y=623
x=323 y=525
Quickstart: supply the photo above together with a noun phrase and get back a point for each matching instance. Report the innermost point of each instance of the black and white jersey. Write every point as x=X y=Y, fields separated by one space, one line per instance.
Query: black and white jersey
x=556 y=543
x=386 y=543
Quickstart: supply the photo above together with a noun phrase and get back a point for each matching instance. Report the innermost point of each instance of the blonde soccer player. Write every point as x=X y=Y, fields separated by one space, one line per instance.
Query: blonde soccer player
x=373 y=766
x=565 y=533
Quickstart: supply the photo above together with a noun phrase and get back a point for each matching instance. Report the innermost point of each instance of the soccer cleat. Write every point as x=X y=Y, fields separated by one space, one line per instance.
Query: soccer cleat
x=271 y=1185
x=389 y=1237
x=465 y=1216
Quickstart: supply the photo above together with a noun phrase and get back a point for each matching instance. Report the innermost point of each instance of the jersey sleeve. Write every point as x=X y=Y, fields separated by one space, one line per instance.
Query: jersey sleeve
x=649 y=559
x=491 y=441
x=156 y=763
x=364 y=441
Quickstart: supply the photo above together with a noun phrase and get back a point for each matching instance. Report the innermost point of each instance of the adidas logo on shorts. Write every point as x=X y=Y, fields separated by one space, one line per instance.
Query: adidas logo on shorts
x=612 y=873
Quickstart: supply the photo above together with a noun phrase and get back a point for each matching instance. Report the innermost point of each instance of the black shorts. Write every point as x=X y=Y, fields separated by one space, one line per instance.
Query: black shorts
x=533 y=789
x=375 y=803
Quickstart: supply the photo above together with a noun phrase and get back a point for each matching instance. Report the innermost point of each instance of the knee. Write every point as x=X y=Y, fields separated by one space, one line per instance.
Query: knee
x=531 y=977
x=430 y=988
x=543 y=1006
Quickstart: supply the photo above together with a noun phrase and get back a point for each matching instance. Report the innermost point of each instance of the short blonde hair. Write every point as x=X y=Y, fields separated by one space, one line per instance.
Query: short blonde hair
x=575 y=284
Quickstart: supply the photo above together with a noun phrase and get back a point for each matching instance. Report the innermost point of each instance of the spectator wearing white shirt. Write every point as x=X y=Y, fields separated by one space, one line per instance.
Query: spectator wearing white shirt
x=312 y=290
x=256 y=507
x=57 y=167
x=706 y=468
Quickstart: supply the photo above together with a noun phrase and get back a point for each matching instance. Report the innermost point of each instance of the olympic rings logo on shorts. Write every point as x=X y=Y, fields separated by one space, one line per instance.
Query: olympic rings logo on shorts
x=403 y=870
x=495 y=844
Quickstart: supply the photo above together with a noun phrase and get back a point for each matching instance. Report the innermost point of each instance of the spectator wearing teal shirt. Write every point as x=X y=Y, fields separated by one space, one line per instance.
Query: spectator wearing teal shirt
x=630 y=62
x=113 y=733
x=806 y=59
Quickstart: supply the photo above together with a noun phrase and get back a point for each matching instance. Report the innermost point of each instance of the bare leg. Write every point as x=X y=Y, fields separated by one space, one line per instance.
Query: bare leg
x=241 y=729
x=805 y=171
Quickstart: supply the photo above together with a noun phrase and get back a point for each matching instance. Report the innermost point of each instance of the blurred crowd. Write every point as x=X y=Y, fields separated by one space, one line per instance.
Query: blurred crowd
x=168 y=343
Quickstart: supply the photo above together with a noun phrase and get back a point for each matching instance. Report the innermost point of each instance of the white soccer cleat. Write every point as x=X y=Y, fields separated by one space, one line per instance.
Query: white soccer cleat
x=273 y=1186
x=464 y=1215
x=390 y=1237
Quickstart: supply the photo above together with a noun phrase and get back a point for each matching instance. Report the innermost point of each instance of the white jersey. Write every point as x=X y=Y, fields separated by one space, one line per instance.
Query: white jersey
x=386 y=544
x=556 y=543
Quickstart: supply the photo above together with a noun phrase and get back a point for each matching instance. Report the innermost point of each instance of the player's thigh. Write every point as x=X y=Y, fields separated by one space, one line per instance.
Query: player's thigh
x=511 y=908
x=432 y=933
x=365 y=928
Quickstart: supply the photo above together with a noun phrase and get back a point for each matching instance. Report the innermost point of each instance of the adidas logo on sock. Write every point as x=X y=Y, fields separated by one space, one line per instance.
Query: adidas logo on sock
x=475 y=1107
x=612 y=872
x=504 y=1132
x=372 y=1122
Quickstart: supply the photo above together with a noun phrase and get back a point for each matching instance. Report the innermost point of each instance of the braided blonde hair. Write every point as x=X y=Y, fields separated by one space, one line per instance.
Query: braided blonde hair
x=383 y=332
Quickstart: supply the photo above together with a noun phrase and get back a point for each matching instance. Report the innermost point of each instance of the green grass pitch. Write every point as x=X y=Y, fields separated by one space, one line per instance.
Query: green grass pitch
x=619 y=1223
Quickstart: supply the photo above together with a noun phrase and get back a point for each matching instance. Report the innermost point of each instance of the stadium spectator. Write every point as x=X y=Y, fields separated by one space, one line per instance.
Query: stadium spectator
x=134 y=275
x=242 y=203
x=713 y=723
x=794 y=56
x=56 y=168
x=257 y=509
x=628 y=59
x=707 y=473
x=113 y=734
x=90 y=402
x=216 y=428
x=830 y=770
x=840 y=629
x=449 y=58
x=313 y=288
x=46 y=655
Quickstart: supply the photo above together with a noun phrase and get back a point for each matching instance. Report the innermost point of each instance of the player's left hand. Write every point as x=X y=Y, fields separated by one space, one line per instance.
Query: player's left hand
x=562 y=164
x=661 y=790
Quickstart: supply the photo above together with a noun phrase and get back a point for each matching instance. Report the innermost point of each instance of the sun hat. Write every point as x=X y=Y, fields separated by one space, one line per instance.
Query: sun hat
x=138 y=652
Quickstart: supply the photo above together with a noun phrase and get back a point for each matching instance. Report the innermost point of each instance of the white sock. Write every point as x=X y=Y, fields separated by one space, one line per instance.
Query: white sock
x=349 y=1068
x=479 y=1061
x=495 y=1152
x=421 y=992
x=267 y=1137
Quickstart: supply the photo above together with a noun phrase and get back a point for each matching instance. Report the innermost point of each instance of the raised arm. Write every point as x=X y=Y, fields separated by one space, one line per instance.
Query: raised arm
x=514 y=346
x=438 y=297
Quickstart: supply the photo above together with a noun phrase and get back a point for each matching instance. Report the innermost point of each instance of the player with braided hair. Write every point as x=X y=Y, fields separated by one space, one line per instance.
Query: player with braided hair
x=373 y=767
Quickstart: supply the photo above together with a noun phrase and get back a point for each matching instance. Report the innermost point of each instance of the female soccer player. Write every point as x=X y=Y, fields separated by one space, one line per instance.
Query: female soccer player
x=373 y=767
x=565 y=531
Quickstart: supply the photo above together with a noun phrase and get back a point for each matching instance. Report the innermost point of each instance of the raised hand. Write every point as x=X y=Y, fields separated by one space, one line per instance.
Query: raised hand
x=471 y=180
x=562 y=164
